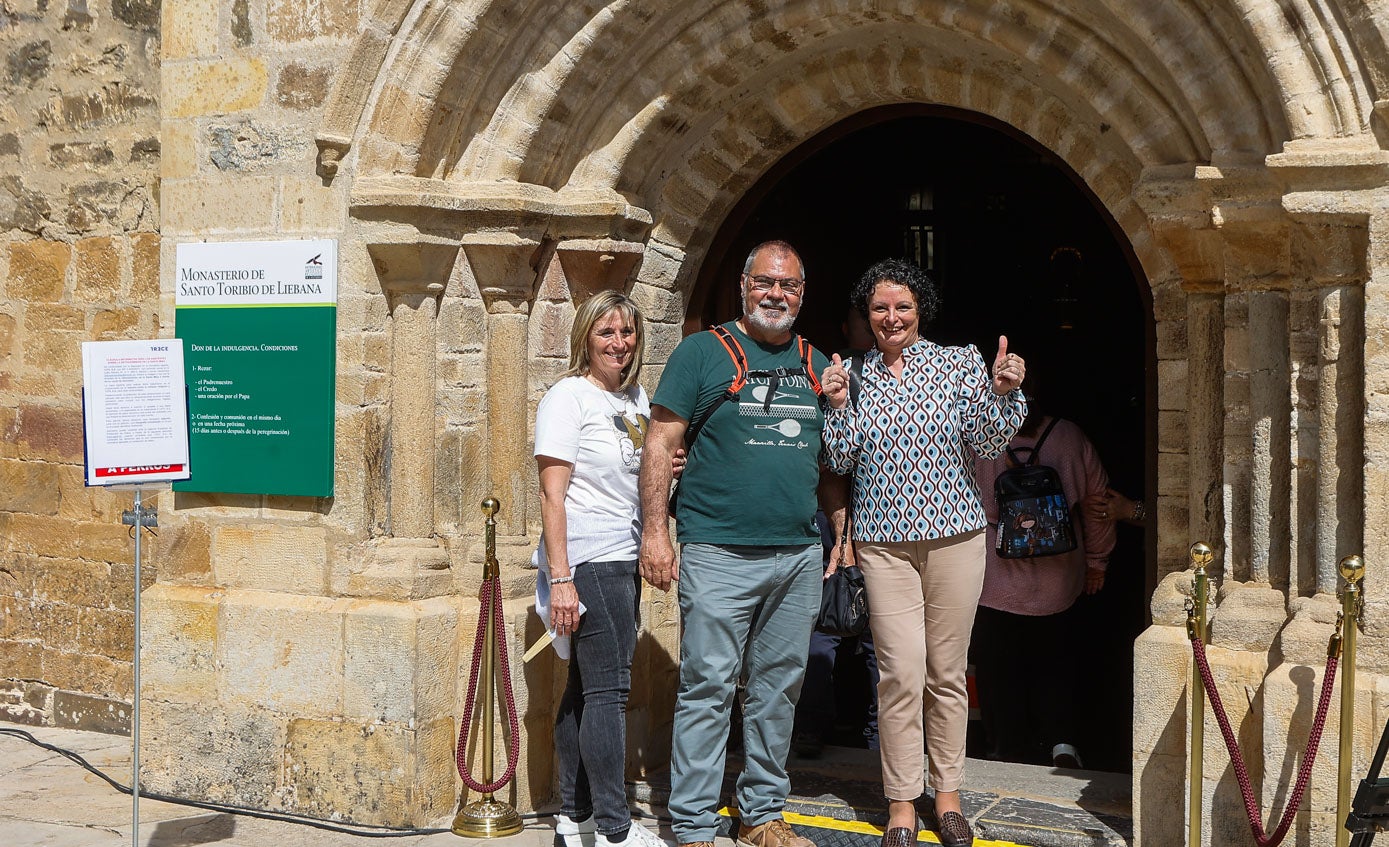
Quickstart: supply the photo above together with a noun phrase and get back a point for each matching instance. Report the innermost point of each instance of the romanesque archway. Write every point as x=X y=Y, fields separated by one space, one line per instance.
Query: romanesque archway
x=1018 y=247
x=501 y=159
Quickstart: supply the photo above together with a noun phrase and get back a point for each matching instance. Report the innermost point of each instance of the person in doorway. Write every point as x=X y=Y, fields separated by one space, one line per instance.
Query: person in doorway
x=918 y=527
x=749 y=570
x=590 y=429
x=1027 y=640
x=817 y=710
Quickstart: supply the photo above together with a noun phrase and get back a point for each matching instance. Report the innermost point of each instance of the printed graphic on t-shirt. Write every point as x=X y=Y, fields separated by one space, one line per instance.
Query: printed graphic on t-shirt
x=631 y=437
x=780 y=410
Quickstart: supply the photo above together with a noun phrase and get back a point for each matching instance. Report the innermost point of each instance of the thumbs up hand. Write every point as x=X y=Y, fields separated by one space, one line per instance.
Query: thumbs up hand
x=835 y=381
x=1009 y=368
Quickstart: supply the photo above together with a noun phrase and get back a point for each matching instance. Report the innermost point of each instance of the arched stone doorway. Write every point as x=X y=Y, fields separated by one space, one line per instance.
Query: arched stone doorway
x=485 y=165
x=1019 y=247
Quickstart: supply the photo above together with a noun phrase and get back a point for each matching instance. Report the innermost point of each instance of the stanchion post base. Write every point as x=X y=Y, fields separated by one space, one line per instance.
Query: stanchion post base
x=486 y=818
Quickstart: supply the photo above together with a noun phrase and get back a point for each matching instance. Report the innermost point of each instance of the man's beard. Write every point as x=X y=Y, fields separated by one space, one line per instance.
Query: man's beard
x=767 y=322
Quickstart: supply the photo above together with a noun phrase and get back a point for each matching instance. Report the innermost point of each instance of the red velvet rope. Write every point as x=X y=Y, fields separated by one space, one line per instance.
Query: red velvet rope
x=1304 y=773
x=491 y=608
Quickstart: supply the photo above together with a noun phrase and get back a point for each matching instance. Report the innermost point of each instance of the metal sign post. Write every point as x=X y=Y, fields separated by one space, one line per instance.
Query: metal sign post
x=137 y=518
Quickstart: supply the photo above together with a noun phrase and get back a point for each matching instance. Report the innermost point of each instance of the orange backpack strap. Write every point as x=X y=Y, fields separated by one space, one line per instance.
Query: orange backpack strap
x=805 y=349
x=735 y=352
x=740 y=378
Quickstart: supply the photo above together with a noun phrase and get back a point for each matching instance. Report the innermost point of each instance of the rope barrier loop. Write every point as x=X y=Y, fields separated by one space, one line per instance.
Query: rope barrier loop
x=1304 y=773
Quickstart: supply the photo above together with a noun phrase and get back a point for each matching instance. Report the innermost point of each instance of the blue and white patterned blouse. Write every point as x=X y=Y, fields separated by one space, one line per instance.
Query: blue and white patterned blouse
x=911 y=443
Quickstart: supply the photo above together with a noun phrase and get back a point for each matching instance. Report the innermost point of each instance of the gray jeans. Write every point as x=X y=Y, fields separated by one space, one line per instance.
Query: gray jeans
x=743 y=610
x=591 y=727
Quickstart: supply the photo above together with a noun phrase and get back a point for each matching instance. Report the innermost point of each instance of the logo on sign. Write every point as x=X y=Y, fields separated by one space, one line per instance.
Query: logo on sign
x=313 y=268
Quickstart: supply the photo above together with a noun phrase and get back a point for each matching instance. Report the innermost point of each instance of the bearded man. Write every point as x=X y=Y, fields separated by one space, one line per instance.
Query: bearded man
x=750 y=566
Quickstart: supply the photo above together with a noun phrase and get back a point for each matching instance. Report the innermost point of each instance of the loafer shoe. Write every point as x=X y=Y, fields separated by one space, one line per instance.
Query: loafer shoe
x=954 y=830
x=899 y=836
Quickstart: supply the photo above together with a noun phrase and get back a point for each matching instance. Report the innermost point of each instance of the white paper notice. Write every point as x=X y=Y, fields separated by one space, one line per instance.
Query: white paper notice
x=135 y=411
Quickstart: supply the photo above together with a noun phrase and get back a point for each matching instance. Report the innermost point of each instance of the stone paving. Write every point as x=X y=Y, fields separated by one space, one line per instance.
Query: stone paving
x=48 y=801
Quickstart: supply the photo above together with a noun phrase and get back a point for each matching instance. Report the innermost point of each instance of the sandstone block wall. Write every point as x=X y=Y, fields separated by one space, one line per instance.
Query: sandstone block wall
x=79 y=260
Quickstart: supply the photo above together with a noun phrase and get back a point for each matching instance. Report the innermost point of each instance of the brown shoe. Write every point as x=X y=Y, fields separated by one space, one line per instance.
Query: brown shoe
x=954 y=830
x=773 y=833
x=695 y=843
x=899 y=836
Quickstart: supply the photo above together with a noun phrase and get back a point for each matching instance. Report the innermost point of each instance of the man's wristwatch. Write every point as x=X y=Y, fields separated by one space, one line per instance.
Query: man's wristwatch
x=1140 y=512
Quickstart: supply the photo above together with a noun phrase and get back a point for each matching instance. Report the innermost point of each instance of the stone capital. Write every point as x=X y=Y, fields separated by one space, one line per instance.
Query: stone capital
x=596 y=264
x=504 y=267
x=414 y=265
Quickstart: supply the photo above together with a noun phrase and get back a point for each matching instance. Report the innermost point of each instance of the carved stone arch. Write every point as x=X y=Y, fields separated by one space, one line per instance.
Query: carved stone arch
x=691 y=185
x=479 y=90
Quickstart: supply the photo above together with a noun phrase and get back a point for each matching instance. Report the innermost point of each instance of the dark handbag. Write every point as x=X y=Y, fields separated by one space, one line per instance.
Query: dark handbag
x=843 y=603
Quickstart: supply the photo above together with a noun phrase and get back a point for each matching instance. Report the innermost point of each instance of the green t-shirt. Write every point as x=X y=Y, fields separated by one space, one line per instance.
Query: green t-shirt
x=752 y=472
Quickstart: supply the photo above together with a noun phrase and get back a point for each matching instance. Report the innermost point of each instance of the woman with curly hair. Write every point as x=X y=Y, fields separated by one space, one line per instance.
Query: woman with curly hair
x=923 y=413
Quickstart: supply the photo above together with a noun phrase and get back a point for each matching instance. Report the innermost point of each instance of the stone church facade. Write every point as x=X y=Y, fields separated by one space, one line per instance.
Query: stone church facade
x=486 y=164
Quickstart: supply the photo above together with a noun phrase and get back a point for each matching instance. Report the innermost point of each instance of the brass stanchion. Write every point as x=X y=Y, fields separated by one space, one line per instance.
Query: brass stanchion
x=1352 y=570
x=1201 y=556
x=487 y=817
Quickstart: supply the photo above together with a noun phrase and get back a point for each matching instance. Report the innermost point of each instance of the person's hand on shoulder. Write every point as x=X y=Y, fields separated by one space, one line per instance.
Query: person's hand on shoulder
x=1109 y=506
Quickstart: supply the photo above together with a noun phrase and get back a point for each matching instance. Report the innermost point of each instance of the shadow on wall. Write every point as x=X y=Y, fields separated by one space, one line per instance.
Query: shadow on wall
x=1163 y=775
x=650 y=710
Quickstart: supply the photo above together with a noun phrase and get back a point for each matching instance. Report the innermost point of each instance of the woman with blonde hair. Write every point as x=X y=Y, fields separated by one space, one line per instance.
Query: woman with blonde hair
x=589 y=432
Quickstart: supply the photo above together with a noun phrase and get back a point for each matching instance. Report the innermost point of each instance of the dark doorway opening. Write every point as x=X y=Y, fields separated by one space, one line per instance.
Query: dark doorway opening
x=1019 y=247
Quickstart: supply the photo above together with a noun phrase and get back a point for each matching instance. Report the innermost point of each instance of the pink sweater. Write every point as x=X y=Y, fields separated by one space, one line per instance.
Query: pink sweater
x=1050 y=584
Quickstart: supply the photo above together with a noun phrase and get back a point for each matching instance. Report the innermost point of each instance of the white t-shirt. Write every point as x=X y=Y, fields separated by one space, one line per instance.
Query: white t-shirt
x=601 y=433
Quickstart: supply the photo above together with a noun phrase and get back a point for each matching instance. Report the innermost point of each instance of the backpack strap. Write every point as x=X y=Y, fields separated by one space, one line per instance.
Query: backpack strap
x=804 y=347
x=740 y=378
x=735 y=352
x=1034 y=450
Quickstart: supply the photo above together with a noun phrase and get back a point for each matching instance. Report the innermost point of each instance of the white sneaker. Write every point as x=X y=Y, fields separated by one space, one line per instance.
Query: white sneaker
x=637 y=836
x=575 y=833
x=1066 y=756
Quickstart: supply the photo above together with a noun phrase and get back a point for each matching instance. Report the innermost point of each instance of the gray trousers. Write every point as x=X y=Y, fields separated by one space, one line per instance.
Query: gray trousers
x=744 y=610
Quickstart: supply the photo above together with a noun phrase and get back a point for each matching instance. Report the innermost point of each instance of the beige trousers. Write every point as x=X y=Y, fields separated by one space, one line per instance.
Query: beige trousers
x=921 y=597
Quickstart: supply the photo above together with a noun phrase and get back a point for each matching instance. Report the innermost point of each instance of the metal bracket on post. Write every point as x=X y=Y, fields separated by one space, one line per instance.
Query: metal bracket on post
x=140 y=517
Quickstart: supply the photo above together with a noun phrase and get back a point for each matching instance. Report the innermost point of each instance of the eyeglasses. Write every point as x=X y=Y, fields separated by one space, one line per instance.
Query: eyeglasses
x=789 y=284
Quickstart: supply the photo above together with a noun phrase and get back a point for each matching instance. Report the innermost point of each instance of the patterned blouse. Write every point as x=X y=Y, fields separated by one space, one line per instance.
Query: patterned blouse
x=911 y=443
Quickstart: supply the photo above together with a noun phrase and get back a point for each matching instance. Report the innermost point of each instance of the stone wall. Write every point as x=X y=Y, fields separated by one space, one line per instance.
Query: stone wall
x=79 y=260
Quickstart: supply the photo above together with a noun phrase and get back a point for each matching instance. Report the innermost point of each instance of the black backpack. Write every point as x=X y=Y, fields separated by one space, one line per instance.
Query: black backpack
x=1034 y=518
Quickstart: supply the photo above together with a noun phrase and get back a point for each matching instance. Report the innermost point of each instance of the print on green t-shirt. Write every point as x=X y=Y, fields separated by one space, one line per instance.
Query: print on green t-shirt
x=752 y=472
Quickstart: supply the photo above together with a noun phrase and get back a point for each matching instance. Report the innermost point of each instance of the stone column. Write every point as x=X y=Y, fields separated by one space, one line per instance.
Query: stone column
x=504 y=267
x=1340 y=454
x=411 y=563
x=1270 y=422
x=1206 y=372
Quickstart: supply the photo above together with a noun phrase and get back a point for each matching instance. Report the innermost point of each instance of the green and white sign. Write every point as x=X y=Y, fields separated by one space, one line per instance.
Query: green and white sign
x=259 y=324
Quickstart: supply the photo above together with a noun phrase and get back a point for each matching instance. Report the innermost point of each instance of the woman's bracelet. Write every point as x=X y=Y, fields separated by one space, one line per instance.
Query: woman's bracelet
x=1139 y=511
x=556 y=580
